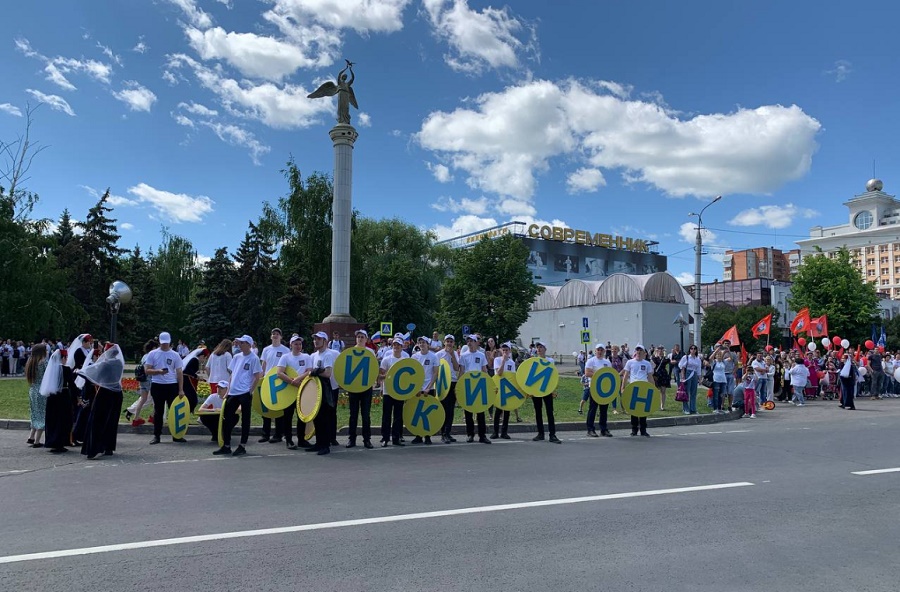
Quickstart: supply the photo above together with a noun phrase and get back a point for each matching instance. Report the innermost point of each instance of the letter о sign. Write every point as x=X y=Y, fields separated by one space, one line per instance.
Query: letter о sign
x=356 y=369
x=640 y=398
x=537 y=377
x=179 y=416
x=605 y=386
x=275 y=393
x=423 y=416
x=404 y=380
x=475 y=392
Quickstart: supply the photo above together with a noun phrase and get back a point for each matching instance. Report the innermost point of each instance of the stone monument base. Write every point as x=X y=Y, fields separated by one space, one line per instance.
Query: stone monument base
x=345 y=325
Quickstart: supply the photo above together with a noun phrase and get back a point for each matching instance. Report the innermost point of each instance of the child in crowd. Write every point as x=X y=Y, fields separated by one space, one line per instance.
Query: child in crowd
x=748 y=381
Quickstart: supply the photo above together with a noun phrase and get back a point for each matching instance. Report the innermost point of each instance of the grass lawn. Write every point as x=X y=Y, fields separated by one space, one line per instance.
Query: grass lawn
x=14 y=404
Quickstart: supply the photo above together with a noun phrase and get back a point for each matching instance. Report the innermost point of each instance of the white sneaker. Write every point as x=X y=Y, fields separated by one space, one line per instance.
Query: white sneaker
x=799 y=404
x=752 y=416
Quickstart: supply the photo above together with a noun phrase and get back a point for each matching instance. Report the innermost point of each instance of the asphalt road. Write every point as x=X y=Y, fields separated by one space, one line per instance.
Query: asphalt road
x=765 y=504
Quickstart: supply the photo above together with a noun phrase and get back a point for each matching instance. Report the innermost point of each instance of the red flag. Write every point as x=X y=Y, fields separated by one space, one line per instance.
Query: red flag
x=856 y=357
x=732 y=336
x=743 y=356
x=762 y=326
x=801 y=322
x=818 y=327
x=796 y=345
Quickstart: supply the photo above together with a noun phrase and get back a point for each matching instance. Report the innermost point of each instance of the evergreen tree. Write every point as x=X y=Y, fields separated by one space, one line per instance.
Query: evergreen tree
x=138 y=319
x=256 y=286
x=211 y=305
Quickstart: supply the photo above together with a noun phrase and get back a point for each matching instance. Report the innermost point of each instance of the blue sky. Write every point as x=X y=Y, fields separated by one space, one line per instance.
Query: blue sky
x=619 y=117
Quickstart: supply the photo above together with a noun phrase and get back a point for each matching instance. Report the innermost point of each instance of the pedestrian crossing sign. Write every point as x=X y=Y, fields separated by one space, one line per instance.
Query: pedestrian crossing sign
x=585 y=336
x=387 y=330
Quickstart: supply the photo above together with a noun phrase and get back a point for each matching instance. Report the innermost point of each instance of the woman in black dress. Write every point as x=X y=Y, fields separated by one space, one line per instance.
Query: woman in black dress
x=105 y=376
x=661 y=373
x=58 y=385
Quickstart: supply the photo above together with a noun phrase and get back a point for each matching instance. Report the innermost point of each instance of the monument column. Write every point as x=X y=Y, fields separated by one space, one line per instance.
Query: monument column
x=343 y=136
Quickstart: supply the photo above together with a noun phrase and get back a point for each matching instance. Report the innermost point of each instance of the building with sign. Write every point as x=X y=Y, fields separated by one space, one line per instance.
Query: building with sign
x=558 y=254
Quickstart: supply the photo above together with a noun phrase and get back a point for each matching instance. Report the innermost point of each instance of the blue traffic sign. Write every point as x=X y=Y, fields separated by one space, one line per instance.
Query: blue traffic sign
x=584 y=322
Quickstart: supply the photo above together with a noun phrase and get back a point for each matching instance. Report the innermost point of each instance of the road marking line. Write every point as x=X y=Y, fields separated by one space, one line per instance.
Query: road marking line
x=361 y=522
x=876 y=471
x=737 y=431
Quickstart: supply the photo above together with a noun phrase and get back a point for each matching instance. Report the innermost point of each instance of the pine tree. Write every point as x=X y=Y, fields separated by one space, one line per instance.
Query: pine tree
x=256 y=287
x=211 y=306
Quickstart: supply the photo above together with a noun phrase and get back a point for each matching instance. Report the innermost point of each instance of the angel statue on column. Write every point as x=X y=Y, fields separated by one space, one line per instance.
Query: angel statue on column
x=343 y=89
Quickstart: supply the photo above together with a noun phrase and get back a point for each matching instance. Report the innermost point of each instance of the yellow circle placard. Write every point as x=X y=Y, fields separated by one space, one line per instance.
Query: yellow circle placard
x=537 y=377
x=257 y=406
x=309 y=432
x=423 y=416
x=356 y=369
x=444 y=379
x=277 y=394
x=509 y=396
x=179 y=416
x=640 y=398
x=605 y=386
x=405 y=379
x=309 y=399
x=475 y=391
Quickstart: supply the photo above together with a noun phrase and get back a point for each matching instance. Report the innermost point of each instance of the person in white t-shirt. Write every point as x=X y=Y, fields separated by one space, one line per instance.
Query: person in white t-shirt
x=361 y=404
x=336 y=343
x=391 y=409
x=546 y=402
x=322 y=362
x=592 y=365
x=301 y=363
x=638 y=368
x=474 y=360
x=164 y=367
x=214 y=403
x=449 y=402
x=271 y=354
x=503 y=363
x=246 y=372
x=436 y=343
x=761 y=370
x=799 y=375
x=429 y=362
x=219 y=364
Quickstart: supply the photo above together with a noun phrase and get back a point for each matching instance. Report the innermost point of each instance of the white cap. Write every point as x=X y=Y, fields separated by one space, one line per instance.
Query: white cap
x=321 y=335
x=640 y=346
x=295 y=338
x=506 y=344
x=541 y=343
x=223 y=384
x=399 y=336
x=600 y=346
x=362 y=332
x=164 y=337
x=473 y=337
x=245 y=338
x=450 y=337
x=423 y=338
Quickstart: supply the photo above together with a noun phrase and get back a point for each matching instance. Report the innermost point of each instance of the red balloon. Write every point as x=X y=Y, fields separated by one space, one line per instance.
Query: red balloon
x=870 y=344
x=801 y=342
x=769 y=348
x=820 y=374
x=881 y=349
x=836 y=340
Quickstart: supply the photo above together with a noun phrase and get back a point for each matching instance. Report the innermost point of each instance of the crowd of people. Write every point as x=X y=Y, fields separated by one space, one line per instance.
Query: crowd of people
x=75 y=393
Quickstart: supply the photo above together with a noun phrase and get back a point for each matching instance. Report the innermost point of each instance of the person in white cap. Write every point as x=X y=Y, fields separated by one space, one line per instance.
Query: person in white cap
x=164 y=367
x=361 y=403
x=473 y=360
x=545 y=402
x=391 y=409
x=322 y=362
x=638 y=368
x=214 y=403
x=503 y=363
x=429 y=361
x=301 y=363
x=449 y=402
x=246 y=372
x=597 y=361
x=271 y=354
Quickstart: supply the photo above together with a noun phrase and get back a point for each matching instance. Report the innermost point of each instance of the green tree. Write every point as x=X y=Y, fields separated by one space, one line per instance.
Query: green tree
x=257 y=285
x=833 y=287
x=490 y=288
x=292 y=305
x=174 y=270
x=211 y=306
x=720 y=318
x=138 y=320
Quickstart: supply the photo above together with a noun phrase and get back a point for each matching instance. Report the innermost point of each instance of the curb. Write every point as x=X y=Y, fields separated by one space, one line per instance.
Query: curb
x=514 y=428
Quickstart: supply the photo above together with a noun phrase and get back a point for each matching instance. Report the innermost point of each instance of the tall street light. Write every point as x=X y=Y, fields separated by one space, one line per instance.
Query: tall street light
x=697 y=265
x=681 y=322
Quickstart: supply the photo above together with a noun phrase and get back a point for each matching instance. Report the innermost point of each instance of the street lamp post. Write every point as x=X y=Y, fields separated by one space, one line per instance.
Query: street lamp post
x=698 y=247
x=119 y=294
x=681 y=322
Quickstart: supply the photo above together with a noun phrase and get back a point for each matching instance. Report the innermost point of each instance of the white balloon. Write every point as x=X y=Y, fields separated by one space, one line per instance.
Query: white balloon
x=825 y=379
x=825 y=342
x=863 y=370
x=811 y=346
x=845 y=343
x=897 y=374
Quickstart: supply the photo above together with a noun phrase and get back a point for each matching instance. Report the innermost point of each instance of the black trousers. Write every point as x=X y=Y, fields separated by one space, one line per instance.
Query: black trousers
x=592 y=413
x=325 y=421
x=539 y=416
x=361 y=403
x=470 y=424
x=284 y=425
x=391 y=419
x=229 y=416
x=497 y=413
x=163 y=394
x=638 y=422
x=83 y=413
x=449 y=404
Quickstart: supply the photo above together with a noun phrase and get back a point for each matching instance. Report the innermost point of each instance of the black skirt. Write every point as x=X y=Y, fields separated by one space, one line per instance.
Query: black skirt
x=58 y=419
x=103 y=423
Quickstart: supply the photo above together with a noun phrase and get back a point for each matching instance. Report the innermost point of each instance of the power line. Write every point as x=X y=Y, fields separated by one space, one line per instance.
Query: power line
x=776 y=234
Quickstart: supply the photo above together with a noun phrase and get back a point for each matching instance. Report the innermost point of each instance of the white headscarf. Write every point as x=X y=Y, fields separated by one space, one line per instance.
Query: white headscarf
x=107 y=371
x=75 y=345
x=53 y=376
x=191 y=356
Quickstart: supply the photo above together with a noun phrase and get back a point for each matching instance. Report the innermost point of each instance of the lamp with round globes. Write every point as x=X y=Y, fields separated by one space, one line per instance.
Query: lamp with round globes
x=119 y=294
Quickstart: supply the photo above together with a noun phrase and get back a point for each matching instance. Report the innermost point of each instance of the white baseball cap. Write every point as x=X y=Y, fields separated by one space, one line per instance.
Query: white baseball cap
x=362 y=332
x=321 y=335
x=473 y=337
x=450 y=337
x=399 y=336
x=600 y=346
x=296 y=338
x=245 y=338
x=164 y=337
x=223 y=384
x=640 y=346
x=541 y=343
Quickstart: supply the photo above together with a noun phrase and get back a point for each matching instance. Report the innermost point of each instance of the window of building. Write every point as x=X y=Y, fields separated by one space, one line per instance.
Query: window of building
x=870 y=273
x=863 y=220
x=870 y=250
x=884 y=260
x=870 y=261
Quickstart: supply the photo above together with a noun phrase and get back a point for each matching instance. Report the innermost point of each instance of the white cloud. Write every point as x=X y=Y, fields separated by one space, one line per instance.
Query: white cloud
x=137 y=97
x=56 y=102
x=842 y=69
x=516 y=208
x=772 y=216
x=685 y=278
x=169 y=77
x=126 y=226
x=440 y=172
x=194 y=13
x=141 y=47
x=688 y=233
x=109 y=53
x=253 y=55
x=57 y=68
x=11 y=109
x=463 y=225
x=479 y=40
x=238 y=136
x=284 y=107
x=113 y=199
x=478 y=207
x=201 y=260
x=183 y=120
x=503 y=140
x=175 y=207
x=198 y=109
x=585 y=180
x=364 y=119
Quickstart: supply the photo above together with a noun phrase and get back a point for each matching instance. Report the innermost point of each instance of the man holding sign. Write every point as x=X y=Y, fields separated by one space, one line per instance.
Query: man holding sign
x=473 y=360
x=300 y=363
x=361 y=403
x=429 y=362
x=322 y=362
x=246 y=372
x=638 y=369
x=164 y=367
x=503 y=364
x=271 y=354
x=546 y=401
x=592 y=366
x=452 y=358
x=391 y=409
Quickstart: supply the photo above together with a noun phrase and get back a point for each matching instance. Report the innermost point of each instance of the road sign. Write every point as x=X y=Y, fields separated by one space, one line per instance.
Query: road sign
x=585 y=336
x=466 y=331
x=584 y=322
x=387 y=330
